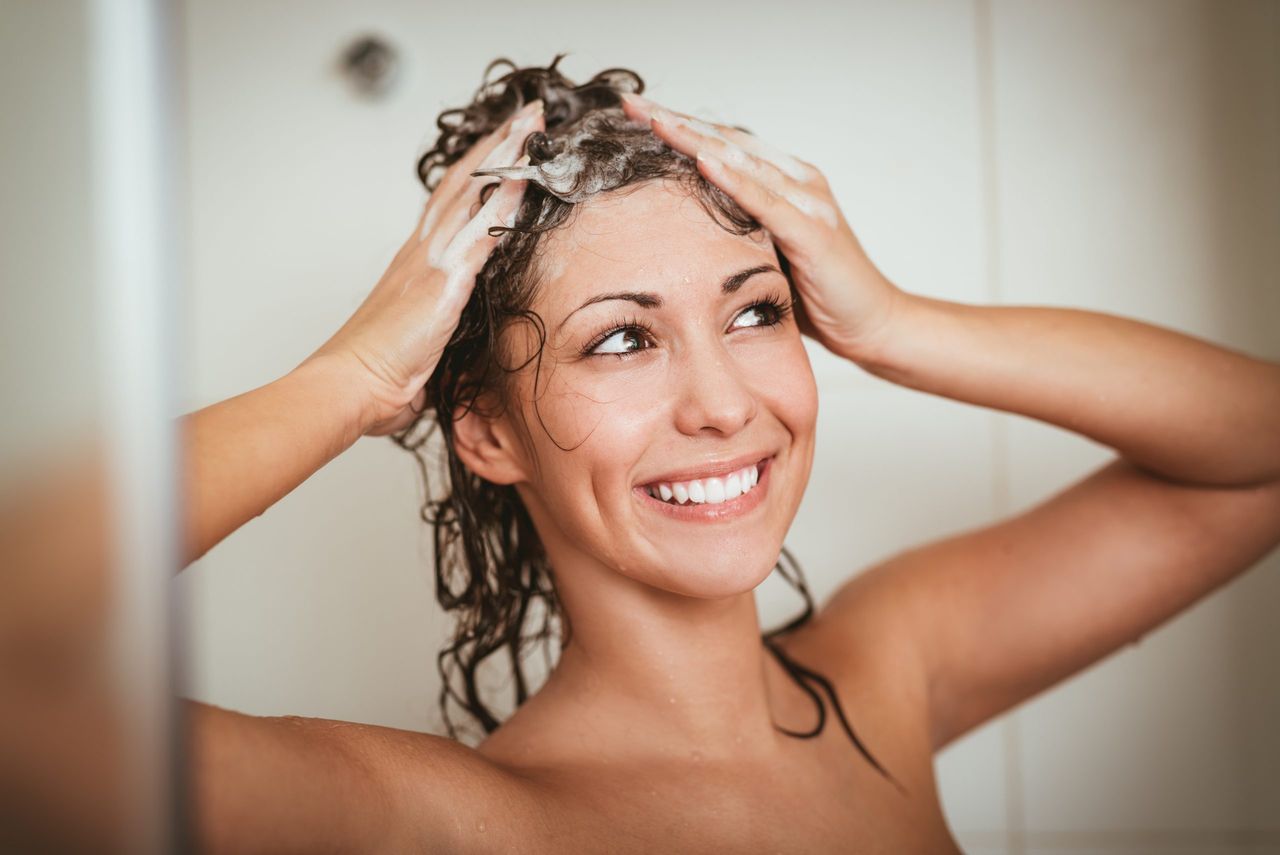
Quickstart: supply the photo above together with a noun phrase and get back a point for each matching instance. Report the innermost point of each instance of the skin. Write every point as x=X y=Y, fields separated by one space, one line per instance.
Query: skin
x=922 y=647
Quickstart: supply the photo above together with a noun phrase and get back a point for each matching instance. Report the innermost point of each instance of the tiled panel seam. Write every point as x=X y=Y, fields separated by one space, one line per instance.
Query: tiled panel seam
x=984 y=54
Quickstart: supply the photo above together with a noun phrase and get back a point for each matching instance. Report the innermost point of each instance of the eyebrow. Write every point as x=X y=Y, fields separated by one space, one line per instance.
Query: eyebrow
x=650 y=300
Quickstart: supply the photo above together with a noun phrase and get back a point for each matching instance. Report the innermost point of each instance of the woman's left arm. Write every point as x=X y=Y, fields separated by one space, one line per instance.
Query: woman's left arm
x=994 y=615
x=1004 y=611
x=1176 y=406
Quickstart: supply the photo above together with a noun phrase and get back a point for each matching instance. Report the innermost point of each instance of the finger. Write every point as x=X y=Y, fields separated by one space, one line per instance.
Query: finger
x=459 y=218
x=506 y=153
x=447 y=188
x=457 y=179
x=421 y=229
x=637 y=107
x=784 y=210
x=771 y=178
x=463 y=206
x=783 y=161
x=458 y=172
x=671 y=122
x=527 y=120
x=426 y=221
x=659 y=117
x=769 y=183
x=466 y=254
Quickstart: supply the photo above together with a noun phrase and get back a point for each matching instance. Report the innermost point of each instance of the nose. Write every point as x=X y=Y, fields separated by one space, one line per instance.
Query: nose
x=713 y=394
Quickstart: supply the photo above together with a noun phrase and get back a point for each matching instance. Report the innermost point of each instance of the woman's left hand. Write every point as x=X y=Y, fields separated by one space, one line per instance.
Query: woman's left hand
x=846 y=302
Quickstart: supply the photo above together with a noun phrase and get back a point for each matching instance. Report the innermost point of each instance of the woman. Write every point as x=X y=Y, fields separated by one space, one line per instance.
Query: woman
x=610 y=346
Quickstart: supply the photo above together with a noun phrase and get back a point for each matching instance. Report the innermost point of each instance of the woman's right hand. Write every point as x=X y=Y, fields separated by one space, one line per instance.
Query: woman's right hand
x=395 y=338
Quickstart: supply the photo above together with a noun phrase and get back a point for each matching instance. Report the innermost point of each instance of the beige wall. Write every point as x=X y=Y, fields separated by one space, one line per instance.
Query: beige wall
x=1112 y=156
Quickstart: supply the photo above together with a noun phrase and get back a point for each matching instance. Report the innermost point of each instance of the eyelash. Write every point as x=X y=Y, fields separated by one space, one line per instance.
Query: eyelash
x=775 y=307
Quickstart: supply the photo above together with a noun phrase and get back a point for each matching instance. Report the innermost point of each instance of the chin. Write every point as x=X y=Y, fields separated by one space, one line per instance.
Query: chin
x=725 y=572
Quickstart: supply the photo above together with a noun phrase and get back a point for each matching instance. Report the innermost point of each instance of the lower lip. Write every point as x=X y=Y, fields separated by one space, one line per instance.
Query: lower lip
x=706 y=512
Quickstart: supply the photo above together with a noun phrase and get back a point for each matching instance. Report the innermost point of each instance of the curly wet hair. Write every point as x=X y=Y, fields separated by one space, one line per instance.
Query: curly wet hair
x=491 y=570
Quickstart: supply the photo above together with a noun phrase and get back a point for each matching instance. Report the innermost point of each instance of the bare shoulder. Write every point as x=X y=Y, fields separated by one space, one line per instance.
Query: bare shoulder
x=865 y=629
x=862 y=637
x=274 y=783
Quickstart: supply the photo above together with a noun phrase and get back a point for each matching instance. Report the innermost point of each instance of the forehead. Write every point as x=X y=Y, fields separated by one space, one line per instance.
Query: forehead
x=643 y=234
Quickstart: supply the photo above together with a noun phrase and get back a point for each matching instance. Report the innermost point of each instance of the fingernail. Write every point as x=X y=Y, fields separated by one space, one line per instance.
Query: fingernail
x=529 y=116
x=517 y=117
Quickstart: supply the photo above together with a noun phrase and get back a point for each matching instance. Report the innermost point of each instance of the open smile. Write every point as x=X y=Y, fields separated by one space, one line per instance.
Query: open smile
x=710 y=499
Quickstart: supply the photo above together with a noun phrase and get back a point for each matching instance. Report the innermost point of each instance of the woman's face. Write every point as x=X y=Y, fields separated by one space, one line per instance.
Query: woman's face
x=666 y=368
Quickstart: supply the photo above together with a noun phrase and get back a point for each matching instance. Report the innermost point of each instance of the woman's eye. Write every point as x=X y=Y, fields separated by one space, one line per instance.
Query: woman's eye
x=758 y=315
x=619 y=342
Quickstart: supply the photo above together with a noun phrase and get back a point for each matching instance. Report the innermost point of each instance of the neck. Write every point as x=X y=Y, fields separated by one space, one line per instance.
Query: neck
x=679 y=674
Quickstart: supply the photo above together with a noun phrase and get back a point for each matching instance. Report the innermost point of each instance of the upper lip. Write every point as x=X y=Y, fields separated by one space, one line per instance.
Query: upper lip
x=709 y=469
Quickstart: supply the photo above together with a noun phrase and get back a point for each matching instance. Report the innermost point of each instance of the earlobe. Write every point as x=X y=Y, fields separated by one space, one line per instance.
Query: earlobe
x=485 y=448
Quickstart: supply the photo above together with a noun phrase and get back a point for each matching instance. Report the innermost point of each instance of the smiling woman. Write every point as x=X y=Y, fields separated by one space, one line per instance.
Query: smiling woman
x=682 y=397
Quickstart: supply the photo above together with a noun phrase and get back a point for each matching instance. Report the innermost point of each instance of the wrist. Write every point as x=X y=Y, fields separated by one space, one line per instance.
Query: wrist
x=925 y=335
x=874 y=347
x=339 y=388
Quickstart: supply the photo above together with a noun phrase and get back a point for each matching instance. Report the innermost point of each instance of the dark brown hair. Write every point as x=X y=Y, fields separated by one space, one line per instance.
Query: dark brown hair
x=491 y=570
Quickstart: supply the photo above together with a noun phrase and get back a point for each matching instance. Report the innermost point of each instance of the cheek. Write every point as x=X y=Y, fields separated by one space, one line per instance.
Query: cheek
x=600 y=411
x=789 y=390
x=783 y=377
x=589 y=427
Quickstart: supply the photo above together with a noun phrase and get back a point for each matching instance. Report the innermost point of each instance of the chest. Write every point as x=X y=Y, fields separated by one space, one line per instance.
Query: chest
x=825 y=799
x=774 y=813
x=818 y=795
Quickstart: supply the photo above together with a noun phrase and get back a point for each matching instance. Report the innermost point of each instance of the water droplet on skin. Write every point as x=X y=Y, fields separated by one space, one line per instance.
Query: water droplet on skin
x=480 y=826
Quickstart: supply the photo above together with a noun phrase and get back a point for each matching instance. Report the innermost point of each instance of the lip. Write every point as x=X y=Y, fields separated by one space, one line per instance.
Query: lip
x=706 y=512
x=711 y=470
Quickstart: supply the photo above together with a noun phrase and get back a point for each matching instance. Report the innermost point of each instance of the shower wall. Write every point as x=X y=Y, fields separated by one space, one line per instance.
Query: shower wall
x=1120 y=157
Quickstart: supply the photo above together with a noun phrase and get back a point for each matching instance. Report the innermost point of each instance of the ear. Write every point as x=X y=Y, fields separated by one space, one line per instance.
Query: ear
x=487 y=446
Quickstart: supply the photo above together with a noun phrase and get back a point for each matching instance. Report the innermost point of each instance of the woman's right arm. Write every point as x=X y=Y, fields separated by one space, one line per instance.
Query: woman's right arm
x=273 y=784
x=242 y=455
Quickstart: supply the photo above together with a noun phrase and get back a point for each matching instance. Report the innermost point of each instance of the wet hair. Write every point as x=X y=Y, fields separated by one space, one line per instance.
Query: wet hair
x=491 y=569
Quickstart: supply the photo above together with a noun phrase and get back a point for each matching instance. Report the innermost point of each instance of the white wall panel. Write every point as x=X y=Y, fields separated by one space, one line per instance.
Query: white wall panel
x=1138 y=176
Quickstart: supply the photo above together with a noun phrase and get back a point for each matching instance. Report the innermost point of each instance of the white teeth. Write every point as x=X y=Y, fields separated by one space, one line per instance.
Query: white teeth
x=712 y=491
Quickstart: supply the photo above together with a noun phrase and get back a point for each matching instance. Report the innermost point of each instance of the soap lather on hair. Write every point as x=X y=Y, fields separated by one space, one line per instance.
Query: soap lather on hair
x=578 y=171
